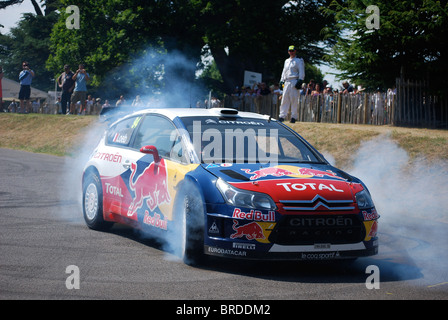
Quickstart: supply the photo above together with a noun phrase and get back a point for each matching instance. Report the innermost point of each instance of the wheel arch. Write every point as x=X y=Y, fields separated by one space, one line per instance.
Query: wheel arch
x=89 y=170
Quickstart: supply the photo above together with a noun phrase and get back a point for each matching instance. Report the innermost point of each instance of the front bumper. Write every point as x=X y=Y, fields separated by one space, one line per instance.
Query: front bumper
x=307 y=253
x=269 y=235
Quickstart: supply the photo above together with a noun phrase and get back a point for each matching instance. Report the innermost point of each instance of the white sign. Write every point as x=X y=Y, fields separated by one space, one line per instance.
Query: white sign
x=251 y=78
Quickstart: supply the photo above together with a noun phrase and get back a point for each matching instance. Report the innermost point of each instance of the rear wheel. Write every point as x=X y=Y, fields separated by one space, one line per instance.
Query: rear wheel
x=92 y=203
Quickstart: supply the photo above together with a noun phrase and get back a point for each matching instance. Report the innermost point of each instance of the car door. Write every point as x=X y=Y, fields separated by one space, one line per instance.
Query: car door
x=112 y=157
x=154 y=174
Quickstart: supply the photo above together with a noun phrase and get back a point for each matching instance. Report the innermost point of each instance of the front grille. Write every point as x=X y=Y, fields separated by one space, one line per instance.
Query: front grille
x=312 y=229
x=318 y=203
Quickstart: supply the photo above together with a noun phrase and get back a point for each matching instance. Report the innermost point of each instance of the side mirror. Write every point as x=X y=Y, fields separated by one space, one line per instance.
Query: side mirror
x=151 y=150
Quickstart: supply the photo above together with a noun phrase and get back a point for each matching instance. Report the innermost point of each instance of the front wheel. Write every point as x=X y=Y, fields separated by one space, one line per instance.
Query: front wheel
x=92 y=203
x=190 y=228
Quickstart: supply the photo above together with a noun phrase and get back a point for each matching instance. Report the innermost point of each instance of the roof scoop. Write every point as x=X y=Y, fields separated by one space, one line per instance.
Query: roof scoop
x=227 y=111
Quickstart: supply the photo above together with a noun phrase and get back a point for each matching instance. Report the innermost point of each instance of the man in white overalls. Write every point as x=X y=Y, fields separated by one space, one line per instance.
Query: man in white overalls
x=293 y=73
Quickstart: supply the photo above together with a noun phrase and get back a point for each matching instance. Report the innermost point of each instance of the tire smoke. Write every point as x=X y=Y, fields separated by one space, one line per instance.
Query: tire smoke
x=411 y=197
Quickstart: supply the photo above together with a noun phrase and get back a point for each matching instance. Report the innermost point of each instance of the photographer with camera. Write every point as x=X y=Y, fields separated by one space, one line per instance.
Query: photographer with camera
x=81 y=77
x=25 y=78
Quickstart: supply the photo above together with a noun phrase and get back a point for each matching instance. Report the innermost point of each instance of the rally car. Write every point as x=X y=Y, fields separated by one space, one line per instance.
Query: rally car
x=226 y=183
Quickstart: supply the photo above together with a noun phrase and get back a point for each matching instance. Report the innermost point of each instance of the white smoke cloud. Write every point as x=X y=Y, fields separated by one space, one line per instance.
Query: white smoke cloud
x=411 y=196
x=162 y=80
x=400 y=186
x=74 y=165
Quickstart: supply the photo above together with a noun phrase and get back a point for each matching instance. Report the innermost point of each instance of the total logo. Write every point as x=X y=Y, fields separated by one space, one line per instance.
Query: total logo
x=312 y=185
x=113 y=190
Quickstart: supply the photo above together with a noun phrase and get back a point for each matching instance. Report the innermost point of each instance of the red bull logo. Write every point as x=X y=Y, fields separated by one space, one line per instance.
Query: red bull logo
x=150 y=186
x=373 y=229
x=251 y=231
x=318 y=173
x=264 y=172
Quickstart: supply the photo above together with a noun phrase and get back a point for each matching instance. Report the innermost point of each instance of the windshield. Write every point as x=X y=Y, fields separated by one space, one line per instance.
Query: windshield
x=244 y=140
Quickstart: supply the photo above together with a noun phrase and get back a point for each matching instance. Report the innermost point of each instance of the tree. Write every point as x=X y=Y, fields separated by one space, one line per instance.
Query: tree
x=121 y=42
x=29 y=41
x=242 y=35
x=411 y=41
x=49 y=5
x=254 y=35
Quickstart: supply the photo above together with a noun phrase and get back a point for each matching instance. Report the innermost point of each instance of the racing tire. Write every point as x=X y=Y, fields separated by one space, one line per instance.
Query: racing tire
x=190 y=229
x=92 y=203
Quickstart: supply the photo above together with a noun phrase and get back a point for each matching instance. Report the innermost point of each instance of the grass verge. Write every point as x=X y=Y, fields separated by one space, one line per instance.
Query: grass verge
x=61 y=135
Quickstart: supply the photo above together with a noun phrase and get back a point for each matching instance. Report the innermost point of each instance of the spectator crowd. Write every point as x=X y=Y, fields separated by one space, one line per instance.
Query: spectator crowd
x=259 y=97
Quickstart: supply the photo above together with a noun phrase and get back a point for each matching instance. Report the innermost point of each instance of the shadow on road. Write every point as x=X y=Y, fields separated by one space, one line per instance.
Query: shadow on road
x=398 y=267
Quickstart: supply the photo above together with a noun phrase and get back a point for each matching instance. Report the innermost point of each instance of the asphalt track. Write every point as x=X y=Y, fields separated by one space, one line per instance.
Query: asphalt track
x=42 y=232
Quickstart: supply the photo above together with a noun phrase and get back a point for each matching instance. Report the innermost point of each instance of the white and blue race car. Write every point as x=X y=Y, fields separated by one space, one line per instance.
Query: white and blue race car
x=227 y=183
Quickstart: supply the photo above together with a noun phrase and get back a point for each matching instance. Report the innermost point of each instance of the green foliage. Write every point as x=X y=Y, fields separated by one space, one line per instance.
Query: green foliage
x=29 y=41
x=411 y=40
x=256 y=33
x=125 y=44
x=111 y=34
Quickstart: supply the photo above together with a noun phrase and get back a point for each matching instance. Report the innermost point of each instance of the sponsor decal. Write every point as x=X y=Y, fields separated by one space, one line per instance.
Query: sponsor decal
x=312 y=185
x=373 y=215
x=318 y=173
x=373 y=229
x=136 y=121
x=264 y=172
x=252 y=123
x=244 y=246
x=251 y=231
x=215 y=250
x=319 y=256
x=155 y=220
x=120 y=138
x=213 y=228
x=320 y=222
x=291 y=171
x=150 y=186
x=254 y=215
x=113 y=190
x=108 y=156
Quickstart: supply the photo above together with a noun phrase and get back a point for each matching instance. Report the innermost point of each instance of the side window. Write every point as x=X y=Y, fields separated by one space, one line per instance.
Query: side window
x=161 y=133
x=121 y=133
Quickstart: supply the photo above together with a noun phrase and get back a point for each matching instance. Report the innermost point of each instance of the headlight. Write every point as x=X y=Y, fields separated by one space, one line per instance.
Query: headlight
x=364 y=200
x=243 y=198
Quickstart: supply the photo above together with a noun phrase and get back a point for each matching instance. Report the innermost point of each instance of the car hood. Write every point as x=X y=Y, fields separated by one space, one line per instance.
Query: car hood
x=289 y=182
